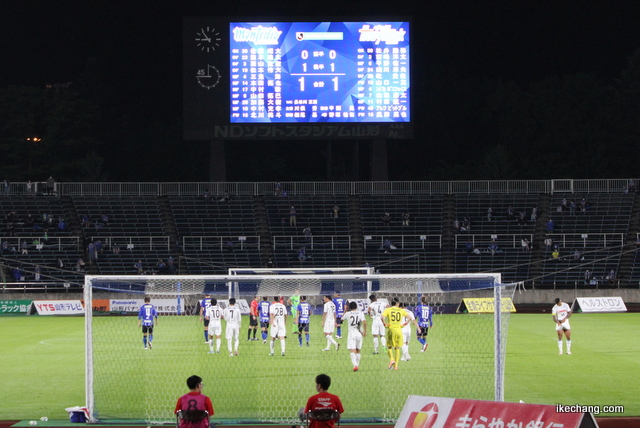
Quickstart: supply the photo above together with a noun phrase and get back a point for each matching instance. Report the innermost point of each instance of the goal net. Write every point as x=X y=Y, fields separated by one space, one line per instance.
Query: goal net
x=464 y=356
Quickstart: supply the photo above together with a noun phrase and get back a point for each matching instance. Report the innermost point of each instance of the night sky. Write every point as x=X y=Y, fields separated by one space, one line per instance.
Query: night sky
x=137 y=45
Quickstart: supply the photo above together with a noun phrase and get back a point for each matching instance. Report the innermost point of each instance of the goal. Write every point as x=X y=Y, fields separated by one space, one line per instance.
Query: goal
x=124 y=382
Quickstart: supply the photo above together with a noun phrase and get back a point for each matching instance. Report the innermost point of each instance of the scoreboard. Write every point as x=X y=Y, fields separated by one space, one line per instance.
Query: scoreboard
x=296 y=79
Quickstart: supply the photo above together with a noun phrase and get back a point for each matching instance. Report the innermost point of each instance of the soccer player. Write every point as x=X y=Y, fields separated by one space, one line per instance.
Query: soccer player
x=253 y=319
x=329 y=322
x=263 y=309
x=354 y=318
x=232 y=315
x=204 y=304
x=393 y=318
x=304 y=315
x=323 y=400
x=377 y=326
x=424 y=315
x=278 y=319
x=409 y=319
x=339 y=303
x=561 y=313
x=147 y=318
x=194 y=400
x=294 y=301
x=214 y=315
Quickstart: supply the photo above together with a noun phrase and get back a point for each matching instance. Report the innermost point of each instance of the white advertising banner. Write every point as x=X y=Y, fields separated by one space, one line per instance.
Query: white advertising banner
x=598 y=304
x=163 y=306
x=59 y=307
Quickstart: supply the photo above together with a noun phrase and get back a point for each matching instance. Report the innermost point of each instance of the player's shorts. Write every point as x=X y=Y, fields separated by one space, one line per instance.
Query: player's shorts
x=394 y=338
x=278 y=331
x=264 y=325
x=147 y=329
x=424 y=331
x=377 y=327
x=563 y=326
x=406 y=334
x=215 y=329
x=329 y=326
x=233 y=330
x=206 y=322
x=354 y=340
x=253 y=320
x=339 y=320
x=304 y=326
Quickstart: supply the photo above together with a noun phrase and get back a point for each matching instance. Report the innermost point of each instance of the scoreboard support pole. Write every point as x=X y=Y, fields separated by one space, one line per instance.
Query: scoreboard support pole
x=379 y=164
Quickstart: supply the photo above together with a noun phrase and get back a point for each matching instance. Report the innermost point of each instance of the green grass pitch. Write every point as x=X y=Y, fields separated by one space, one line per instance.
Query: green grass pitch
x=43 y=367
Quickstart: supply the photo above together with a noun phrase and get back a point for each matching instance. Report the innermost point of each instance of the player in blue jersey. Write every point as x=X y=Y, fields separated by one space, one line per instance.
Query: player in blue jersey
x=424 y=316
x=340 y=306
x=147 y=318
x=263 y=309
x=304 y=315
x=204 y=305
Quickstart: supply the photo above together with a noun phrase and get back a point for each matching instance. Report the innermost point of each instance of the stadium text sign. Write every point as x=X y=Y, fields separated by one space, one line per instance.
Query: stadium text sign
x=58 y=307
x=14 y=306
x=598 y=304
x=484 y=305
x=164 y=306
x=439 y=412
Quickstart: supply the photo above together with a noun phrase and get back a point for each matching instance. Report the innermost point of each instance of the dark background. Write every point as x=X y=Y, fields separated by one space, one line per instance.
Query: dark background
x=501 y=90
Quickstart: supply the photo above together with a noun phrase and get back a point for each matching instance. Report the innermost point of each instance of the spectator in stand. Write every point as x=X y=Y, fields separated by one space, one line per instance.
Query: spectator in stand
x=170 y=267
x=456 y=225
x=4 y=247
x=105 y=219
x=572 y=208
x=510 y=212
x=468 y=247
x=225 y=197
x=160 y=266
x=550 y=226
x=588 y=276
x=60 y=263
x=37 y=273
x=489 y=214
x=611 y=277
x=24 y=248
x=115 y=248
x=336 y=210
x=522 y=220
x=207 y=196
x=548 y=243
x=17 y=274
x=386 y=219
x=556 y=253
x=139 y=268
x=577 y=256
x=229 y=246
x=29 y=188
x=534 y=214
x=524 y=242
x=80 y=265
x=493 y=247
x=406 y=218
x=302 y=254
x=278 y=189
x=91 y=253
x=62 y=225
x=631 y=186
x=307 y=233
x=51 y=184
x=84 y=221
x=29 y=221
x=387 y=245
x=292 y=216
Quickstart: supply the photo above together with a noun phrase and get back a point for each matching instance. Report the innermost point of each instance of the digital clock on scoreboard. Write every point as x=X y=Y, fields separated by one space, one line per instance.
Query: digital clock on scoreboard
x=308 y=72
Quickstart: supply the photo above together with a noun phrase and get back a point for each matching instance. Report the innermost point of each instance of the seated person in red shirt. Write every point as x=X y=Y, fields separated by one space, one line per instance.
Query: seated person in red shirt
x=323 y=400
x=194 y=400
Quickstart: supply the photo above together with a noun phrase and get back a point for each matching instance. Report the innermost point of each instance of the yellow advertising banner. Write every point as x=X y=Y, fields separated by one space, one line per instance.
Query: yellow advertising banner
x=484 y=305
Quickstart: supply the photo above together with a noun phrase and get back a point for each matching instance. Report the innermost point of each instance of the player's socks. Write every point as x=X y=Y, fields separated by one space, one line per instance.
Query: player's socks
x=422 y=341
x=569 y=347
x=144 y=341
x=353 y=359
x=300 y=339
x=375 y=345
x=405 y=352
x=229 y=347
x=339 y=332
x=249 y=334
x=271 y=346
x=264 y=335
x=206 y=336
x=397 y=356
x=283 y=345
x=211 y=345
x=150 y=339
x=358 y=357
x=218 y=345
x=306 y=336
x=560 y=346
x=383 y=341
x=331 y=341
x=254 y=333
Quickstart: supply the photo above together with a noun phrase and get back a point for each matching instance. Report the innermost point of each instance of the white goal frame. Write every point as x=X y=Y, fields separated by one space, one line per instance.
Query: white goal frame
x=265 y=273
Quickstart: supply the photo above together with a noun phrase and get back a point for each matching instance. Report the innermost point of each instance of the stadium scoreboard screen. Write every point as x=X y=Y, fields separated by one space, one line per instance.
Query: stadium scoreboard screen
x=296 y=80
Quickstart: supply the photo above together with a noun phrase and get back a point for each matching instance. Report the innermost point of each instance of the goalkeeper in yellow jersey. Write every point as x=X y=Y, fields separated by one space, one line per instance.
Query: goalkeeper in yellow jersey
x=393 y=318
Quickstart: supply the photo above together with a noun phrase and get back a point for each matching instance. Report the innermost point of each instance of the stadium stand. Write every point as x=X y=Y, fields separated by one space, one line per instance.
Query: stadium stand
x=208 y=235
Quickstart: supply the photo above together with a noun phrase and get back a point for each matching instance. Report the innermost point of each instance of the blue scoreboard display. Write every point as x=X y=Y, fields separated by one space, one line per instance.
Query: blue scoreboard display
x=303 y=79
x=319 y=72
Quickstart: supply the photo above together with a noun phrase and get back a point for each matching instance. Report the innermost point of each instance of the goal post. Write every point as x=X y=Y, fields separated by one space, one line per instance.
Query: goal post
x=465 y=357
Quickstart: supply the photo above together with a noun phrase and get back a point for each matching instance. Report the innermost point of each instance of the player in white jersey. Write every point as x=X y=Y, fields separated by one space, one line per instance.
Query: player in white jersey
x=409 y=319
x=278 y=321
x=233 y=317
x=375 y=311
x=214 y=315
x=561 y=313
x=354 y=320
x=329 y=323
